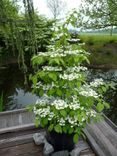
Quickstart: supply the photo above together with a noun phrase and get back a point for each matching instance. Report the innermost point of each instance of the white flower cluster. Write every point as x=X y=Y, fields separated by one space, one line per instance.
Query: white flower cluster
x=76 y=52
x=91 y=113
x=75 y=104
x=56 y=53
x=61 y=53
x=72 y=120
x=59 y=104
x=70 y=77
x=87 y=91
x=50 y=68
x=61 y=121
x=51 y=116
x=46 y=87
x=76 y=69
x=42 y=101
x=97 y=82
x=42 y=112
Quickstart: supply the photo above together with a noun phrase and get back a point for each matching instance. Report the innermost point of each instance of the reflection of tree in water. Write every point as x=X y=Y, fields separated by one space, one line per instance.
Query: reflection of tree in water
x=20 y=99
x=111 y=95
x=10 y=79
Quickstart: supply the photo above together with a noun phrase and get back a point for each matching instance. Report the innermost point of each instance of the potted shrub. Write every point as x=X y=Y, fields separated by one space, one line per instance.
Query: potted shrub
x=66 y=99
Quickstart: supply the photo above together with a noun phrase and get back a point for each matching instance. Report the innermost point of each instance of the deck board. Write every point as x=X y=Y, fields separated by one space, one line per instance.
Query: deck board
x=23 y=145
x=17 y=128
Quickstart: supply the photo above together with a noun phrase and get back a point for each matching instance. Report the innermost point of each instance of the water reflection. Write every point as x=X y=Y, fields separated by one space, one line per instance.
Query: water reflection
x=20 y=99
x=16 y=93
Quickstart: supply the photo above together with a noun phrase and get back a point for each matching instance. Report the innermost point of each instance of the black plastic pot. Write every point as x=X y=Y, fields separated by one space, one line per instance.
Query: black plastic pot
x=61 y=141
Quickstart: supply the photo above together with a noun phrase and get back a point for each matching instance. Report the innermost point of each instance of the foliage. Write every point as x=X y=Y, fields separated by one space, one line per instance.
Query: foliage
x=66 y=98
x=22 y=34
x=98 y=39
x=93 y=16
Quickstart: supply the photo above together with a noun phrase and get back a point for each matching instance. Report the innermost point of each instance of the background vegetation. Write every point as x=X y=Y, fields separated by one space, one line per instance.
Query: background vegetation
x=103 y=49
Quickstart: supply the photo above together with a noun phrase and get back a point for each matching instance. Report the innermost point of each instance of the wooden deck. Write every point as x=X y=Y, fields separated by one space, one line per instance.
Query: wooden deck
x=17 y=128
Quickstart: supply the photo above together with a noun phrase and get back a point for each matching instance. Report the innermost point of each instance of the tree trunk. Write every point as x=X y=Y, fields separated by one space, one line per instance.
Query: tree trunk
x=111 y=31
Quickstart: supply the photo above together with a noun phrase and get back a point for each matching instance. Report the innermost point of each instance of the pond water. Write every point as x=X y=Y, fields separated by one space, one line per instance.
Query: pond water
x=18 y=95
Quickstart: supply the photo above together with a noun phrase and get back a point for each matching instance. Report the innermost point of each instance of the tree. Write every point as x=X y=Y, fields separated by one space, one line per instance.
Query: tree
x=24 y=33
x=99 y=14
x=56 y=7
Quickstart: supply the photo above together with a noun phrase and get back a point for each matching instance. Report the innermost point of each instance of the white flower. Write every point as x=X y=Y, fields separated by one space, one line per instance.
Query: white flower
x=44 y=86
x=70 y=77
x=61 y=122
x=75 y=104
x=85 y=90
x=42 y=112
x=51 y=116
x=72 y=120
x=93 y=113
x=76 y=69
x=97 y=82
x=76 y=52
x=59 y=104
x=50 y=68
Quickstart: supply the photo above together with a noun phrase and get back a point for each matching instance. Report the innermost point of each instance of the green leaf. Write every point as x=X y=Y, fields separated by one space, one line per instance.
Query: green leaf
x=34 y=79
x=53 y=76
x=41 y=92
x=42 y=74
x=104 y=89
x=58 y=128
x=64 y=130
x=59 y=92
x=72 y=113
x=106 y=105
x=37 y=122
x=38 y=60
x=45 y=121
x=50 y=128
x=50 y=92
x=30 y=108
x=71 y=130
x=75 y=138
x=100 y=107
x=63 y=113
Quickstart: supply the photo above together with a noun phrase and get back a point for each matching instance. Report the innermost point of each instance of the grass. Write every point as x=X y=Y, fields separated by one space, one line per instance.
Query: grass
x=1 y=102
x=103 y=49
x=100 y=40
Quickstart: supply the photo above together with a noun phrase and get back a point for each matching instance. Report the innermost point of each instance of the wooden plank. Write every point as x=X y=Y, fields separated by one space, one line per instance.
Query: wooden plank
x=102 y=140
x=108 y=132
x=4 y=143
x=37 y=153
x=17 y=128
x=16 y=118
x=19 y=150
x=20 y=133
x=95 y=146
x=112 y=125
x=13 y=141
x=102 y=136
